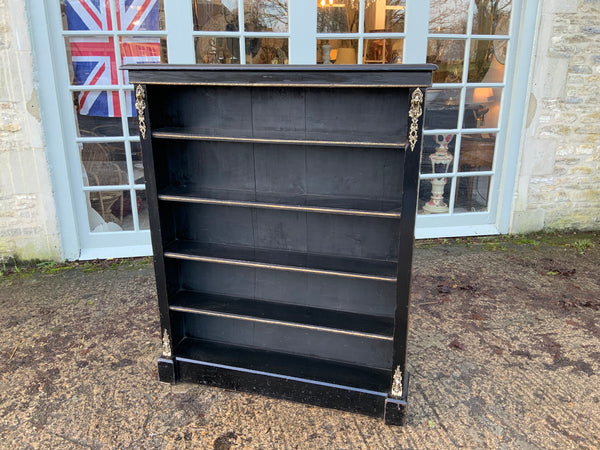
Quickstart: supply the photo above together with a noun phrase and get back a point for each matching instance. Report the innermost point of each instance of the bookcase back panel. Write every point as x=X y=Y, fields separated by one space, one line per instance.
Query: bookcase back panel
x=347 y=177
x=362 y=296
x=298 y=231
x=298 y=113
x=314 y=343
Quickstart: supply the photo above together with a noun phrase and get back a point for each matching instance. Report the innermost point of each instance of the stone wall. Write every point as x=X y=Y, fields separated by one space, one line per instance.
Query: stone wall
x=28 y=228
x=558 y=184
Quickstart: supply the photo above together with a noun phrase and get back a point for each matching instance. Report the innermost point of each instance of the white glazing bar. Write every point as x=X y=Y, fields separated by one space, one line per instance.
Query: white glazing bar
x=302 y=24
x=361 y=31
x=416 y=24
x=180 y=26
x=242 y=40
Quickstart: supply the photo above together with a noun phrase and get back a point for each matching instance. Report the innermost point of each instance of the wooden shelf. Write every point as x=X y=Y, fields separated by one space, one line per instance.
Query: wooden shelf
x=208 y=135
x=360 y=325
x=309 y=203
x=370 y=269
x=284 y=365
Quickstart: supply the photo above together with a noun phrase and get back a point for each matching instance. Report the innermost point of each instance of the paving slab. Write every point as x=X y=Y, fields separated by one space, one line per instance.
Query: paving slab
x=504 y=352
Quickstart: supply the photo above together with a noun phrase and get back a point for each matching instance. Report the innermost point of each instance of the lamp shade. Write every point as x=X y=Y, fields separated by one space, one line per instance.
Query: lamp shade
x=483 y=95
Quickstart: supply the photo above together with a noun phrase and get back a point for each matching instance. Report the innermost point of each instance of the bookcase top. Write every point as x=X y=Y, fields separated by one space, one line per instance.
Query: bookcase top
x=374 y=76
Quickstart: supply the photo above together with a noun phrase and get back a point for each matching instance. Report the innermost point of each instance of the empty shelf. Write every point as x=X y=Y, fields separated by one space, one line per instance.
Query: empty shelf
x=309 y=203
x=293 y=261
x=284 y=365
x=299 y=316
x=204 y=135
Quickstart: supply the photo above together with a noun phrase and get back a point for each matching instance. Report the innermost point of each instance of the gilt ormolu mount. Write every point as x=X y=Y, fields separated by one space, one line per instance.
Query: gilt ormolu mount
x=282 y=206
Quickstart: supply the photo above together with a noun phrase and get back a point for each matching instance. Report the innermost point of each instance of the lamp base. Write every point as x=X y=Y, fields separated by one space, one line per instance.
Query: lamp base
x=430 y=208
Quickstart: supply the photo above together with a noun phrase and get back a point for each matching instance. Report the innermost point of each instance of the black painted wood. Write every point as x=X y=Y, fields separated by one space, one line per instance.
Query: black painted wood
x=258 y=311
x=282 y=204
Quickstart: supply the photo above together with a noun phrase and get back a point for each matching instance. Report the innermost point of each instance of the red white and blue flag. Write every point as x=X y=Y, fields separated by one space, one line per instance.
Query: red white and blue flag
x=94 y=58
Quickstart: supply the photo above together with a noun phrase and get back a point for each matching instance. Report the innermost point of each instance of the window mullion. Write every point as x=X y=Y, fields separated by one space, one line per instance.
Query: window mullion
x=416 y=25
x=303 y=32
x=179 y=27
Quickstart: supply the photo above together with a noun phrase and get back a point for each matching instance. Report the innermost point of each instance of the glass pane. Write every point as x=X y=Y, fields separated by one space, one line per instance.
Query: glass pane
x=482 y=107
x=142 y=210
x=433 y=195
x=441 y=108
x=438 y=153
x=215 y=16
x=337 y=51
x=217 y=50
x=337 y=16
x=266 y=50
x=472 y=194
x=142 y=50
x=92 y=116
x=448 y=16
x=138 y=165
x=104 y=164
x=491 y=16
x=486 y=61
x=109 y=211
x=92 y=60
x=140 y=15
x=86 y=15
x=449 y=55
x=477 y=152
x=384 y=16
x=266 y=15
x=382 y=51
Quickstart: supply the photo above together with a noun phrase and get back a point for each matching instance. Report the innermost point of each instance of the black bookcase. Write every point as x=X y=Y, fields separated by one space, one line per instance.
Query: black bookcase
x=282 y=207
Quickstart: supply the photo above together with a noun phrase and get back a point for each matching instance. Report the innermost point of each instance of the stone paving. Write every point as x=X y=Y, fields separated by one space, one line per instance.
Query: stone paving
x=504 y=352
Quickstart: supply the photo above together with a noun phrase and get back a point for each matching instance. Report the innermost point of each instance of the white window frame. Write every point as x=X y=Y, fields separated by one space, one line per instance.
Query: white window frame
x=59 y=127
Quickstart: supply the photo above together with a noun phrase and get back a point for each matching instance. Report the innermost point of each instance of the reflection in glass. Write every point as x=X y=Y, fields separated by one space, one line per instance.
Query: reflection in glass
x=140 y=16
x=142 y=210
x=104 y=164
x=137 y=163
x=266 y=50
x=384 y=16
x=477 y=152
x=427 y=195
x=337 y=51
x=142 y=50
x=486 y=61
x=86 y=16
x=102 y=70
x=96 y=15
x=441 y=106
x=266 y=15
x=482 y=107
x=448 y=16
x=337 y=16
x=472 y=194
x=382 y=51
x=437 y=143
x=109 y=211
x=91 y=113
x=215 y=16
x=491 y=16
x=217 y=50
x=449 y=55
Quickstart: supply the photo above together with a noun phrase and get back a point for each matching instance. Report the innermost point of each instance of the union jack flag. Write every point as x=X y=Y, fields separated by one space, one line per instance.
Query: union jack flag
x=94 y=58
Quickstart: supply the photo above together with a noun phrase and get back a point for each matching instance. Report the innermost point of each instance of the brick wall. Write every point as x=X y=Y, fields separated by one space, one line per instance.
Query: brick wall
x=28 y=228
x=558 y=184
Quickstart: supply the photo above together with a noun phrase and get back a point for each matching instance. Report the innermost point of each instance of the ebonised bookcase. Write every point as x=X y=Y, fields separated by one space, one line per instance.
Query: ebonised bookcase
x=282 y=207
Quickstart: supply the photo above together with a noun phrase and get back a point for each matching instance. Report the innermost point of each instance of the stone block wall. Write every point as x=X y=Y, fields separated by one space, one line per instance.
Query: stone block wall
x=28 y=227
x=558 y=183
